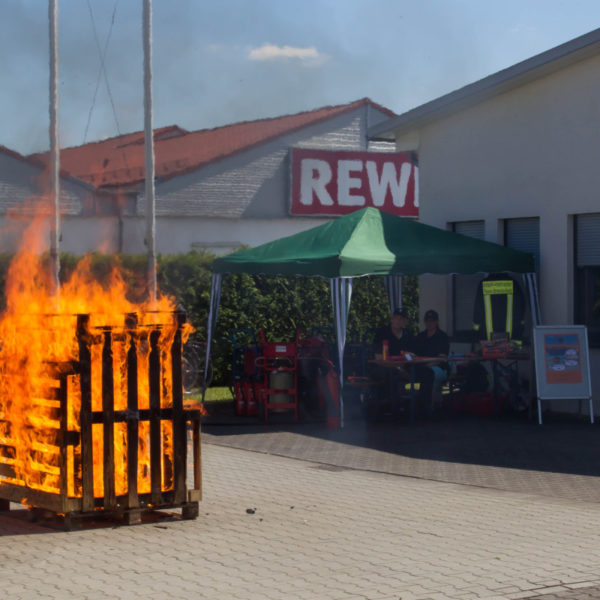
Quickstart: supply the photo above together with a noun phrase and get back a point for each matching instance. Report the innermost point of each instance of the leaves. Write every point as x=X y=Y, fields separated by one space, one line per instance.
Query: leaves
x=277 y=305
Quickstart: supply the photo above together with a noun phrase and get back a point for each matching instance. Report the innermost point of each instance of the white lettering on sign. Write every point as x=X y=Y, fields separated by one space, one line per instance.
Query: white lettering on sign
x=346 y=183
x=315 y=175
x=338 y=182
x=389 y=180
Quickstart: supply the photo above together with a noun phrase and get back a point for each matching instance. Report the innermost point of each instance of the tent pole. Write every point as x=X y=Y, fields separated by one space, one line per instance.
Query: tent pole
x=393 y=286
x=341 y=293
x=213 y=313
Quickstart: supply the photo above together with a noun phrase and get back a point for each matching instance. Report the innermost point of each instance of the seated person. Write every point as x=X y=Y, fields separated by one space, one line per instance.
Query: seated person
x=432 y=341
x=399 y=340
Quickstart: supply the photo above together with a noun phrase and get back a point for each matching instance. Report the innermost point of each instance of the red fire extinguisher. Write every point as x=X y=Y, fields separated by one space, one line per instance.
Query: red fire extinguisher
x=250 y=400
x=240 y=402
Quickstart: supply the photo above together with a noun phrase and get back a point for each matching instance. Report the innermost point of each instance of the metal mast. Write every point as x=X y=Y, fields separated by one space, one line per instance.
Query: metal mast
x=54 y=149
x=149 y=151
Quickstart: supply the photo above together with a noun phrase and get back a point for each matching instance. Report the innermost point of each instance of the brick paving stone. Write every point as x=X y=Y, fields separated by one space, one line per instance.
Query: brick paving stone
x=581 y=593
x=352 y=534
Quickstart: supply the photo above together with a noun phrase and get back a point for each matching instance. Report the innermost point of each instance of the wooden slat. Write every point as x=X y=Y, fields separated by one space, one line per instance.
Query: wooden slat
x=155 y=433
x=64 y=471
x=144 y=414
x=32 y=497
x=108 y=422
x=197 y=456
x=132 y=422
x=87 y=447
x=6 y=471
x=7 y=450
x=179 y=424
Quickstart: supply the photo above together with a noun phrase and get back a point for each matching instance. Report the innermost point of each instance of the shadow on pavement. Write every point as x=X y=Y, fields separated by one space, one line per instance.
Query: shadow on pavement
x=564 y=444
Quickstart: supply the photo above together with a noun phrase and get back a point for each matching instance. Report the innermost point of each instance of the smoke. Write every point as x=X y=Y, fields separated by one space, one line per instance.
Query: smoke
x=221 y=62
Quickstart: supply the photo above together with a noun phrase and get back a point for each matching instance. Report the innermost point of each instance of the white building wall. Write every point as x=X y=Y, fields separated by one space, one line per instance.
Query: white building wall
x=216 y=235
x=529 y=152
x=88 y=234
x=244 y=199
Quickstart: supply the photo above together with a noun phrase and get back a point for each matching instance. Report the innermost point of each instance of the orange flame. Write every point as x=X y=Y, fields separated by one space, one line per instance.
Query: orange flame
x=38 y=340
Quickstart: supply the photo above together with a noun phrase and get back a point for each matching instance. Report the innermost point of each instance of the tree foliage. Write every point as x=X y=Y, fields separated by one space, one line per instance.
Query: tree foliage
x=280 y=306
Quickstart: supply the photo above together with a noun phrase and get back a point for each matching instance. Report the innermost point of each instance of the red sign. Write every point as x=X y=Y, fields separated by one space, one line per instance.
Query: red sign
x=338 y=183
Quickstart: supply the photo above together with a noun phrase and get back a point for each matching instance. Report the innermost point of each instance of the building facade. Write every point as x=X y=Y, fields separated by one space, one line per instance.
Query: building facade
x=513 y=159
x=215 y=190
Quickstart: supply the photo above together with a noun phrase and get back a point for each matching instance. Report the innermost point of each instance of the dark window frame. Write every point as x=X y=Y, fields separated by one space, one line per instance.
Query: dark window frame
x=586 y=293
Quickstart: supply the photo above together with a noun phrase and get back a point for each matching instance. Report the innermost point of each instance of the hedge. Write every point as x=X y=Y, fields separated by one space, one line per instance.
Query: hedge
x=278 y=305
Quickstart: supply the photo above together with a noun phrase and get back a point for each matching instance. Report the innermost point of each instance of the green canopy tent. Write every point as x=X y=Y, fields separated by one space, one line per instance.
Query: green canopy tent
x=370 y=242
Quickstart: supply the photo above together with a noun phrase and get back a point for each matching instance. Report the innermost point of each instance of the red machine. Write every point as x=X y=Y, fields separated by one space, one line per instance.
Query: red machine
x=248 y=379
x=315 y=351
x=279 y=363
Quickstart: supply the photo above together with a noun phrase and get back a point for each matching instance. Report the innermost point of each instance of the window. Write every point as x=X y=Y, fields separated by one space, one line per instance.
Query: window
x=587 y=274
x=464 y=287
x=524 y=235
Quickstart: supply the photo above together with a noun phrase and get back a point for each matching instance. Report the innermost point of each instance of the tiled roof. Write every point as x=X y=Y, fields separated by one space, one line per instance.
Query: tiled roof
x=119 y=161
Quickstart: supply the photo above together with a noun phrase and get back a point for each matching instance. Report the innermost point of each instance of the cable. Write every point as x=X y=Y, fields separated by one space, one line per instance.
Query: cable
x=102 y=70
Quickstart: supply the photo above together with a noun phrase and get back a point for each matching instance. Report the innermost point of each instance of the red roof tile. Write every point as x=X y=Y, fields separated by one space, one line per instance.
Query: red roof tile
x=119 y=161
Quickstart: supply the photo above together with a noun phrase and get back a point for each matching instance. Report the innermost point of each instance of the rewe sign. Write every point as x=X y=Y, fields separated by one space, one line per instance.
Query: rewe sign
x=338 y=183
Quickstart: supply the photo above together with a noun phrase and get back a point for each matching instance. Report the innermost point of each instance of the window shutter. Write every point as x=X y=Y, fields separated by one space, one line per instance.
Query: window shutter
x=474 y=229
x=588 y=240
x=524 y=235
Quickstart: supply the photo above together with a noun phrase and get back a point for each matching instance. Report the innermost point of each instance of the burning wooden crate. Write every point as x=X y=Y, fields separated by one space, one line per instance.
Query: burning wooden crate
x=92 y=417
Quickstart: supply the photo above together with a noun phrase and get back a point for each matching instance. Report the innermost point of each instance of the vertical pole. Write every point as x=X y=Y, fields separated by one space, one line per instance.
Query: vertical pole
x=149 y=151
x=54 y=150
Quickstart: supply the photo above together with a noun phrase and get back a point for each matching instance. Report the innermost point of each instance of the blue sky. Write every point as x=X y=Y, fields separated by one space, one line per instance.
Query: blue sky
x=219 y=62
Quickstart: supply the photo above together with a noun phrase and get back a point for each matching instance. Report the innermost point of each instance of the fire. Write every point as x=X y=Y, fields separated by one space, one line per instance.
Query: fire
x=38 y=340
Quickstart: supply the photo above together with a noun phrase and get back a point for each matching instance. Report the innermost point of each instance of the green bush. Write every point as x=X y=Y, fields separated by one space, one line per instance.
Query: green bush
x=280 y=306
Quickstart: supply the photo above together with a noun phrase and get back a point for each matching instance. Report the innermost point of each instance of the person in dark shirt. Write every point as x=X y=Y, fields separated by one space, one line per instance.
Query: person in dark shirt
x=399 y=340
x=432 y=341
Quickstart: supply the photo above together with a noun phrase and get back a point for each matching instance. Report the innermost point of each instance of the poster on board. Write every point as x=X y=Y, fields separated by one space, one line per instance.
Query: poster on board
x=562 y=365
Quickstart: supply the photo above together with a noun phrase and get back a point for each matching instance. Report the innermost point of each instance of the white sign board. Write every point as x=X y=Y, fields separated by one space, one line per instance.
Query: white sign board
x=562 y=364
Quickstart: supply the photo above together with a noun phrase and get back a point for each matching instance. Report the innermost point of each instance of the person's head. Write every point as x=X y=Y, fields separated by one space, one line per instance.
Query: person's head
x=432 y=320
x=399 y=319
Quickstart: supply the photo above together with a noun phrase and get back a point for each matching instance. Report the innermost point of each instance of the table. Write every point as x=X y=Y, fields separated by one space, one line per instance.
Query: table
x=498 y=369
x=401 y=364
x=506 y=365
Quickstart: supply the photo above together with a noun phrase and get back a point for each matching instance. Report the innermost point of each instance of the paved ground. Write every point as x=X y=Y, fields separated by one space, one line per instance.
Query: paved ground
x=448 y=510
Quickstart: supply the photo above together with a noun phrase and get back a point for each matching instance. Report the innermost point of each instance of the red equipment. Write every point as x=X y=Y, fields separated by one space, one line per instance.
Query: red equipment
x=327 y=379
x=248 y=380
x=279 y=362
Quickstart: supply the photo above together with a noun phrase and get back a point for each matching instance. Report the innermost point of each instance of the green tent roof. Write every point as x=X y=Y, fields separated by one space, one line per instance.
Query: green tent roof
x=372 y=242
